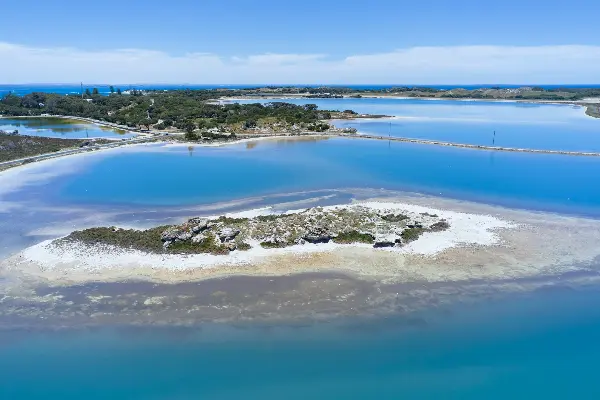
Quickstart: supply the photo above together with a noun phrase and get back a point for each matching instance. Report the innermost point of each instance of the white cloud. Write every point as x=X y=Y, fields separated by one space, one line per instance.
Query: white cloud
x=416 y=65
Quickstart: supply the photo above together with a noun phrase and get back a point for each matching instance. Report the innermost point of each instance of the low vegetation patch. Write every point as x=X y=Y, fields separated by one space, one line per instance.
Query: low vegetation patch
x=230 y=220
x=439 y=226
x=394 y=217
x=270 y=217
x=148 y=240
x=411 y=234
x=593 y=110
x=273 y=245
x=243 y=246
x=14 y=147
x=354 y=236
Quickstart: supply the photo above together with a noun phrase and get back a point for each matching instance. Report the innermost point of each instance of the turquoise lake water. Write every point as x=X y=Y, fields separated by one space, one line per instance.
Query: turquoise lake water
x=57 y=128
x=543 y=345
x=524 y=125
x=160 y=176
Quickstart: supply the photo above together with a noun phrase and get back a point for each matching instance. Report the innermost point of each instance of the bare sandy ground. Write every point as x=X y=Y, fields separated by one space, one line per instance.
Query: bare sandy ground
x=483 y=243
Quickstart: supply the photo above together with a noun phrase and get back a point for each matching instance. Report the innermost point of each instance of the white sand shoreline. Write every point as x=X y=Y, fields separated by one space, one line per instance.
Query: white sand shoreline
x=465 y=229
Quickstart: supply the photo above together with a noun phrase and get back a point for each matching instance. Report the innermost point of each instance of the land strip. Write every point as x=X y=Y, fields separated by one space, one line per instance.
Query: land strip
x=61 y=148
x=475 y=146
x=249 y=137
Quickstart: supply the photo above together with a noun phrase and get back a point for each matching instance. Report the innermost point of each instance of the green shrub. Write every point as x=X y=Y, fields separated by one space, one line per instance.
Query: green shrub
x=439 y=226
x=394 y=217
x=273 y=245
x=229 y=220
x=243 y=246
x=148 y=240
x=354 y=237
x=411 y=234
x=271 y=217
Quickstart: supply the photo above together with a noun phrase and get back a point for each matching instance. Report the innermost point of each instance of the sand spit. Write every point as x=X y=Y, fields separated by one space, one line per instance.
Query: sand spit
x=479 y=245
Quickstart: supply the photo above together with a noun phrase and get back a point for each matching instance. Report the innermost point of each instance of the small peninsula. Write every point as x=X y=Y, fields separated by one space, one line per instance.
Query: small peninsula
x=14 y=146
x=194 y=112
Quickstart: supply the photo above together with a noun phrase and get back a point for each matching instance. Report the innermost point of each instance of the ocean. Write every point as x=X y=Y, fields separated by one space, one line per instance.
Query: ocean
x=541 y=344
x=104 y=88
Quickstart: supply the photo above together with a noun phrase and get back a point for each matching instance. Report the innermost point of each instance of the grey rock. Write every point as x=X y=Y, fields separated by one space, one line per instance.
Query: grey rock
x=227 y=234
x=198 y=238
x=415 y=225
x=183 y=236
x=198 y=224
x=166 y=245
x=231 y=246
x=383 y=243
x=170 y=234
x=317 y=234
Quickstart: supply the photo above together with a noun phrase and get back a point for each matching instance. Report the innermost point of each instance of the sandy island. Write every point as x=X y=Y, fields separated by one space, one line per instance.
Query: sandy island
x=498 y=244
x=487 y=251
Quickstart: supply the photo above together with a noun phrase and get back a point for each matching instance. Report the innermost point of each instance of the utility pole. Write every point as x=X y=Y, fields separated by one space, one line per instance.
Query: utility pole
x=82 y=90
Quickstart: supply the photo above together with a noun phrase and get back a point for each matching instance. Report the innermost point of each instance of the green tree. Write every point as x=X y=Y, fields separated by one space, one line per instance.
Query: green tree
x=87 y=93
x=118 y=90
x=189 y=127
x=112 y=89
x=95 y=91
x=190 y=135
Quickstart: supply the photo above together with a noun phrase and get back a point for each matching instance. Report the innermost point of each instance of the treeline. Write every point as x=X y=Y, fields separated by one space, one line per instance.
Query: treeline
x=494 y=92
x=183 y=109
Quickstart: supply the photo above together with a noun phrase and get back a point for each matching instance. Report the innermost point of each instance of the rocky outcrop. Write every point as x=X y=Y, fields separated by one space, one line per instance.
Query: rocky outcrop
x=190 y=230
x=384 y=243
x=342 y=225
x=198 y=224
x=174 y=233
x=228 y=234
x=317 y=234
x=198 y=238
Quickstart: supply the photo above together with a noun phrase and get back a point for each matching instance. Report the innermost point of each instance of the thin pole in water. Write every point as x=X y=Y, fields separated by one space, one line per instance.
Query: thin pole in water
x=494 y=139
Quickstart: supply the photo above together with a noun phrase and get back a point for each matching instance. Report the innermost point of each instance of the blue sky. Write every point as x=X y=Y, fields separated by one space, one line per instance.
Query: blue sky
x=323 y=40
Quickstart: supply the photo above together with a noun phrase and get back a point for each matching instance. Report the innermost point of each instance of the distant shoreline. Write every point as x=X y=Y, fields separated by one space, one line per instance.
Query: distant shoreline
x=587 y=104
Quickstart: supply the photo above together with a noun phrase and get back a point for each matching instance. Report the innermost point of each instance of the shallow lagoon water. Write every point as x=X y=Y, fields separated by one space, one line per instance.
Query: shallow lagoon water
x=157 y=175
x=59 y=128
x=542 y=345
x=148 y=185
x=523 y=125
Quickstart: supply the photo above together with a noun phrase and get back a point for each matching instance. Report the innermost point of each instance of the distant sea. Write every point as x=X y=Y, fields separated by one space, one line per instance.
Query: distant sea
x=104 y=88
